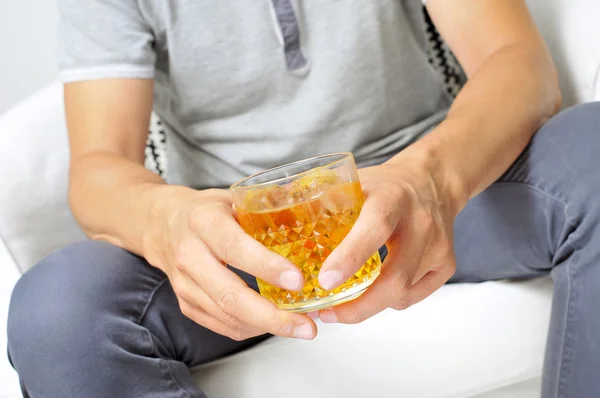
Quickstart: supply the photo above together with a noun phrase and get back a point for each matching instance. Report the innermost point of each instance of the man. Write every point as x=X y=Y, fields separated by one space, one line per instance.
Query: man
x=452 y=187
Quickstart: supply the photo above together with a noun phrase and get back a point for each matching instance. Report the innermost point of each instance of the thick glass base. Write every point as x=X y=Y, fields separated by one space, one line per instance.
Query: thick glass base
x=330 y=300
x=313 y=297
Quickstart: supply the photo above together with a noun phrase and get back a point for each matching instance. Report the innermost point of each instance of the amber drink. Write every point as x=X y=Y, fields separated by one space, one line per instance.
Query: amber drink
x=302 y=211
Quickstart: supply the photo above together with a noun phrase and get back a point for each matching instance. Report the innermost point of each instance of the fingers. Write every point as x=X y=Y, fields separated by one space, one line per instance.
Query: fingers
x=391 y=287
x=236 y=299
x=233 y=297
x=375 y=224
x=203 y=318
x=187 y=290
x=388 y=290
x=432 y=281
x=230 y=243
x=395 y=288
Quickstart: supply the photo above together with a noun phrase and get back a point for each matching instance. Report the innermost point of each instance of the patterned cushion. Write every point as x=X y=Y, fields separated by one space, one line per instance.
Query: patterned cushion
x=156 y=157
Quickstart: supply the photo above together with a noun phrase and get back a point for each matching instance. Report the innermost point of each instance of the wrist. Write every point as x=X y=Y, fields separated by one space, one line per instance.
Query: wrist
x=451 y=187
x=162 y=206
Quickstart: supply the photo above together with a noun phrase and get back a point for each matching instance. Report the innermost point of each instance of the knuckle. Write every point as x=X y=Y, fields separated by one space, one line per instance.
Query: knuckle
x=186 y=309
x=231 y=246
x=205 y=218
x=383 y=223
x=180 y=265
x=402 y=303
x=355 y=315
x=263 y=269
x=397 y=191
x=425 y=220
x=212 y=192
x=237 y=335
x=445 y=247
x=383 y=230
x=399 y=286
x=212 y=220
x=229 y=302
x=181 y=254
x=384 y=215
x=278 y=327
x=196 y=218
x=232 y=321
x=177 y=285
x=450 y=270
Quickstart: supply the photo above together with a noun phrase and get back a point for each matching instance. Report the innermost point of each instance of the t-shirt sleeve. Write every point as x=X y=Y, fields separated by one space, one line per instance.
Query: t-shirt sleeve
x=103 y=39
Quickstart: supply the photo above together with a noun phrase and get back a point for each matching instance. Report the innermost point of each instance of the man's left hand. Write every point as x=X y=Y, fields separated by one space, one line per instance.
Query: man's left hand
x=405 y=209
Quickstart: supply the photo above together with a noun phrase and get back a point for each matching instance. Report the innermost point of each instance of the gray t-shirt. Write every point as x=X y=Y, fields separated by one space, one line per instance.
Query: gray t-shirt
x=246 y=85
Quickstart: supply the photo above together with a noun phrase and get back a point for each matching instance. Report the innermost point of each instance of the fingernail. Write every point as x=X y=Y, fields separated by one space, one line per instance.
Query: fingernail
x=330 y=279
x=313 y=315
x=303 y=331
x=291 y=280
x=328 y=316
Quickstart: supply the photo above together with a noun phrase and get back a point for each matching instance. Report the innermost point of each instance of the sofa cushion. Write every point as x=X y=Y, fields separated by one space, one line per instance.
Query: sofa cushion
x=465 y=340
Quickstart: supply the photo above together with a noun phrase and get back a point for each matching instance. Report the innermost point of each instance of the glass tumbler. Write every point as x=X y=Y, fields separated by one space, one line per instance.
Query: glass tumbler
x=302 y=211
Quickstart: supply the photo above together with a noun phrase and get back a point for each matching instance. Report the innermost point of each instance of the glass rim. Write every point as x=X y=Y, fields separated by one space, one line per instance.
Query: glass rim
x=343 y=156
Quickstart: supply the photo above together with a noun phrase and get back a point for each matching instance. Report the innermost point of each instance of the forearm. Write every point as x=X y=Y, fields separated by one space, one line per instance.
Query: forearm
x=114 y=199
x=490 y=123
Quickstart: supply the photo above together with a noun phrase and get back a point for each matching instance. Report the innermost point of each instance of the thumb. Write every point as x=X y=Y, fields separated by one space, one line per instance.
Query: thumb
x=370 y=232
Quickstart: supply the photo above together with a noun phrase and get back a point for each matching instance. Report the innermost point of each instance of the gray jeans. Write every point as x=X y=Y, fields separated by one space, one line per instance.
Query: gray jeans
x=92 y=320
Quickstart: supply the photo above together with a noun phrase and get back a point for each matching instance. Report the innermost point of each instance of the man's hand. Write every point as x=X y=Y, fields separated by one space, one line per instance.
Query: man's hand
x=405 y=208
x=194 y=236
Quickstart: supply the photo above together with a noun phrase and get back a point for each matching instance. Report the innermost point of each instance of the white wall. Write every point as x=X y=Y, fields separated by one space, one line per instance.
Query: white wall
x=27 y=48
x=28 y=45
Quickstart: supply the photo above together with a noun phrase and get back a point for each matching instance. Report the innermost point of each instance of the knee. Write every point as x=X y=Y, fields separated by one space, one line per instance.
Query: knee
x=55 y=306
x=577 y=127
x=569 y=143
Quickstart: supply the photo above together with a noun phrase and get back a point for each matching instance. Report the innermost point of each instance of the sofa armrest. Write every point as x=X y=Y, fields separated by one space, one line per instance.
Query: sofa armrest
x=34 y=215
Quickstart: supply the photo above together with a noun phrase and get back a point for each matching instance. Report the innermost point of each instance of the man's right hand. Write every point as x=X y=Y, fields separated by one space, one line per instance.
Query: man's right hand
x=188 y=234
x=194 y=235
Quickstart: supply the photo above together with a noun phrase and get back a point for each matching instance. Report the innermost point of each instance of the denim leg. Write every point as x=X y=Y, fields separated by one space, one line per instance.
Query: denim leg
x=93 y=320
x=543 y=216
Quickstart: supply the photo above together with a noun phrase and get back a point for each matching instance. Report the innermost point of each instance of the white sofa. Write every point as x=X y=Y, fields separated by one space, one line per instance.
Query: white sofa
x=484 y=340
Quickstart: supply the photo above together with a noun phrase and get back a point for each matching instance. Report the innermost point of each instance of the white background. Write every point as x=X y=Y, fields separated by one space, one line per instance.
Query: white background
x=27 y=63
x=28 y=42
x=27 y=48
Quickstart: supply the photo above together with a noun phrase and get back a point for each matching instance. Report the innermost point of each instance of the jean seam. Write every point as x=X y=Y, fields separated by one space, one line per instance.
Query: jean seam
x=566 y=357
x=149 y=300
x=543 y=192
x=153 y=351
x=165 y=366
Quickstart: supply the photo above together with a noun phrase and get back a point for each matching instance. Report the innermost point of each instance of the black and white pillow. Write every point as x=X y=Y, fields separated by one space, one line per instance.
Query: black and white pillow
x=156 y=144
x=440 y=57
